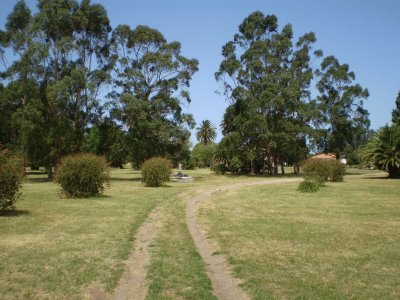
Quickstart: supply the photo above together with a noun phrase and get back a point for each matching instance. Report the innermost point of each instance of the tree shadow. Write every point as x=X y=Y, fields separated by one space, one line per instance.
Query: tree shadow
x=38 y=180
x=14 y=213
x=377 y=177
x=126 y=179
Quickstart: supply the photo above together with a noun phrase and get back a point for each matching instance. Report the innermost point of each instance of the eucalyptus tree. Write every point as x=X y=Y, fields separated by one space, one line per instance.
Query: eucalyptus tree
x=60 y=66
x=206 y=132
x=266 y=79
x=341 y=103
x=151 y=84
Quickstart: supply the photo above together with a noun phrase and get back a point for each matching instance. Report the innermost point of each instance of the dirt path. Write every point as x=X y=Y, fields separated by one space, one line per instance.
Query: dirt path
x=133 y=285
x=225 y=286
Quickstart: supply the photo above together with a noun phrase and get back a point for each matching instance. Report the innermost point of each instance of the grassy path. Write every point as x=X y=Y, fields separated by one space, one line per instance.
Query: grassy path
x=225 y=286
x=340 y=243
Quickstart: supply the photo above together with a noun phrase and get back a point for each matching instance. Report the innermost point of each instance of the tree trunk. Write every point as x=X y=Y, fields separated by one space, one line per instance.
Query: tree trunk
x=283 y=168
x=253 y=167
x=394 y=172
x=275 y=166
x=50 y=172
x=296 y=169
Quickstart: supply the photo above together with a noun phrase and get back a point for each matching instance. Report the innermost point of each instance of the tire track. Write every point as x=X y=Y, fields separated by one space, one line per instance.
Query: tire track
x=225 y=286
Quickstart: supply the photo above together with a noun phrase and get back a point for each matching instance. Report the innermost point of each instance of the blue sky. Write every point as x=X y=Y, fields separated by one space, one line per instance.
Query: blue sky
x=362 y=33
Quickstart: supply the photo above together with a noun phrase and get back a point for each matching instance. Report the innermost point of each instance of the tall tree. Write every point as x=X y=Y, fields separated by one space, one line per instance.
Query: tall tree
x=266 y=79
x=341 y=103
x=396 y=111
x=60 y=66
x=151 y=84
x=206 y=132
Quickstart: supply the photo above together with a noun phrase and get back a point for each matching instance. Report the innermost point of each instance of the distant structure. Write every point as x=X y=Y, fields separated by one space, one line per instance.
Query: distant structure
x=324 y=156
x=342 y=159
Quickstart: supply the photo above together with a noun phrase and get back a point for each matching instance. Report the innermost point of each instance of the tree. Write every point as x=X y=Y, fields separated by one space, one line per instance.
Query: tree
x=383 y=150
x=344 y=120
x=151 y=83
x=396 y=111
x=203 y=154
x=206 y=132
x=60 y=66
x=266 y=79
x=107 y=139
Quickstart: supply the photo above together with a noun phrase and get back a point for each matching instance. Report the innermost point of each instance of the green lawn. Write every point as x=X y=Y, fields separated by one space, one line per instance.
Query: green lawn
x=340 y=243
x=56 y=248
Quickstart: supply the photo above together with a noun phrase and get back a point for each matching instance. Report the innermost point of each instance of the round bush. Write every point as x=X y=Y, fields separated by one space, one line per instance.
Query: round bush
x=336 y=170
x=322 y=170
x=308 y=187
x=316 y=170
x=11 y=175
x=156 y=171
x=82 y=175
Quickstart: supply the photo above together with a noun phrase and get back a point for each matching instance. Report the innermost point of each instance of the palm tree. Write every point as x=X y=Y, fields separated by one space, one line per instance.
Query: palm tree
x=383 y=150
x=206 y=132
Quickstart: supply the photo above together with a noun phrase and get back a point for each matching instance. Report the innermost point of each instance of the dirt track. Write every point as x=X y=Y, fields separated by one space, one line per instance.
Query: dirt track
x=133 y=284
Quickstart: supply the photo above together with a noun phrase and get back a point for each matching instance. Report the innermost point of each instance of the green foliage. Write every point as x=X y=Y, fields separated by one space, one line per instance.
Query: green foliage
x=341 y=106
x=396 y=111
x=383 y=150
x=59 y=64
x=151 y=80
x=322 y=170
x=11 y=175
x=307 y=186
x=206 y=132
x=336 y=170
x=108 y=139
x=156 y=171
x=82 y=175
x=203 y=154
x=266 y=77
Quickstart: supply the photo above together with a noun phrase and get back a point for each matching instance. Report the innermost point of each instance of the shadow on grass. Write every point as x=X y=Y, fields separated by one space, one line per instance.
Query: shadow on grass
x=126 y=179
x=264 y=176
x=377 y=177
x=14 y=213
x=37 y=180
x=35 y=173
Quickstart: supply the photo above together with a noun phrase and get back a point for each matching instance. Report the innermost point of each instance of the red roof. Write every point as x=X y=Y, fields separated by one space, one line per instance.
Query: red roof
x=324 y=156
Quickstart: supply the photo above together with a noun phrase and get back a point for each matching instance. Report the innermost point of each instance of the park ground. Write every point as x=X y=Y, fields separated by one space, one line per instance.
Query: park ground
x=342 y=242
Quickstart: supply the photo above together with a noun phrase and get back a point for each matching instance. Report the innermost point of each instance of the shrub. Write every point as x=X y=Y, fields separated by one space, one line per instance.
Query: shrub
x=322 y=170
x=11 y=175
x=156 y=171
x=316 y=170
x=383 y=150
x=308 y=187
x=336 y=170
x=82 y=175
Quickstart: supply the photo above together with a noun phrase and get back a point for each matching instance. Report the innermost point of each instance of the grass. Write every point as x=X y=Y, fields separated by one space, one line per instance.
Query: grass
x=56 y=248
x=177 y=270
x=340 y=243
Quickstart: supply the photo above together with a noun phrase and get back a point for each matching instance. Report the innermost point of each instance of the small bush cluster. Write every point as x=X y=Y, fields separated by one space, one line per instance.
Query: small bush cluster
x=156 y=171
x=11 y=174
x=82 y=175
x=322 y=170
x=308 y=187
